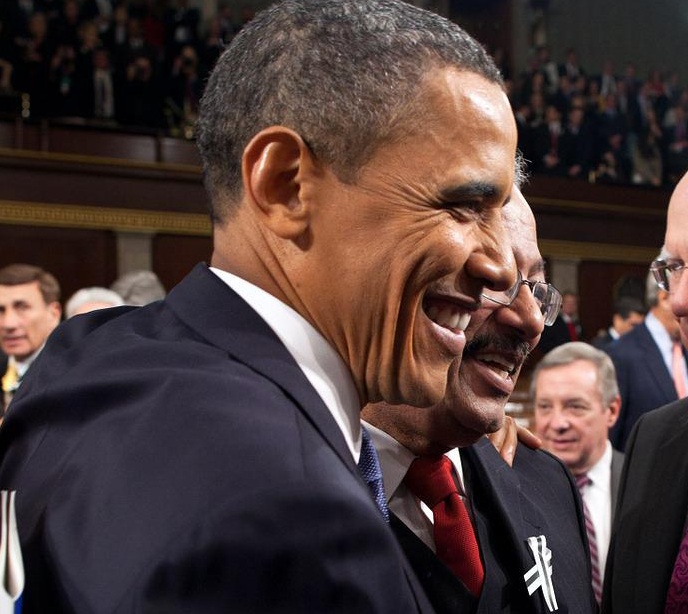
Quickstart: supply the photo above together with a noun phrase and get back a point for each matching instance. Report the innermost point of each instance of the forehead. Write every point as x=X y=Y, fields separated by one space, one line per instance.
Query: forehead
x=577 y=379
x=462 y=129
x=520 y=224
x=29 y=293
x=677 y=221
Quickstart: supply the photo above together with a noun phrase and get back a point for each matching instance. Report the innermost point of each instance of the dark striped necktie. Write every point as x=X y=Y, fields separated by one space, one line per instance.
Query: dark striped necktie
x=369 y=468
x=581 y=482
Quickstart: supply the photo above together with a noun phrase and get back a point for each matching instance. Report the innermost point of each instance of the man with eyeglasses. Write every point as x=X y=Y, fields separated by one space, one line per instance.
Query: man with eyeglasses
x=648 y=558
x=469 y=544
x=649 y=360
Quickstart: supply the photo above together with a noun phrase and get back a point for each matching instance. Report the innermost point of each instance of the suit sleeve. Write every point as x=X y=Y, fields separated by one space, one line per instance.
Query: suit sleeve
x=317 y=555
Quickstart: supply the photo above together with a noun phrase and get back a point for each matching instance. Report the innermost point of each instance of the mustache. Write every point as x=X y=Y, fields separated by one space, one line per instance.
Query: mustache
x=499 y=343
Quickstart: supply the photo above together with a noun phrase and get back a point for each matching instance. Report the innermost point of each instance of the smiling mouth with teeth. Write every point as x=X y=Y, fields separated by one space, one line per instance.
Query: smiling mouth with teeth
x=499 y=364
x=446 y=314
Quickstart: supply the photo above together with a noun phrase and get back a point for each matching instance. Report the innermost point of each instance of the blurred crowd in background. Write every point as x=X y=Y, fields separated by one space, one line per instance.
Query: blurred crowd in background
x=143 y=63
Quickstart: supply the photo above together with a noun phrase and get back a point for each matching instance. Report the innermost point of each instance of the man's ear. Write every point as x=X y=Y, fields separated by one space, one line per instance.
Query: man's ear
x=274 y=166
x=614 y=408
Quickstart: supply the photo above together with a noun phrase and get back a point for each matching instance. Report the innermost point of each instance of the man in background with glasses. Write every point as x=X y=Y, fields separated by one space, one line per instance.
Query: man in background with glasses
x=493 y=508
x=648 y=557
x=649 y=360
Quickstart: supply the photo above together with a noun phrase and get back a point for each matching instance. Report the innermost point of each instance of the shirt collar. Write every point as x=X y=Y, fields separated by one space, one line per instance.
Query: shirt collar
x=659 y=333
x=395 y=460
x=613 y=333
x=318 y=360
x=600 y=472
x=22 y=366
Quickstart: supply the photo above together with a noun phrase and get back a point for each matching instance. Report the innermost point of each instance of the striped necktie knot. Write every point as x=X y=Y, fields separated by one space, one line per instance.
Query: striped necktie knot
x=582 y=481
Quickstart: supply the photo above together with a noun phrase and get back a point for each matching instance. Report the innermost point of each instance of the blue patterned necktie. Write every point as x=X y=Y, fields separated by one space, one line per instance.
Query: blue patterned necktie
x=369 y=468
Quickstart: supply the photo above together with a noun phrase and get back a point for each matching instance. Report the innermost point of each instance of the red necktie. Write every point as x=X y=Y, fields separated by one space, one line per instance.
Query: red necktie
x=572 y=330
x=430 y=479
x=677 y=371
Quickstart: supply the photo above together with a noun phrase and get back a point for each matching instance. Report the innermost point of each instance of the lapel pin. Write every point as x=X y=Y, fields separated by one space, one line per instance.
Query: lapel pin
x=539 y=576
x=11 y=564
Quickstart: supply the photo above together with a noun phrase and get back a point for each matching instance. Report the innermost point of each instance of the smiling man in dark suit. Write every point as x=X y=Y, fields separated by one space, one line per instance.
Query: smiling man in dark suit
x=500 y=509
x=200 y=454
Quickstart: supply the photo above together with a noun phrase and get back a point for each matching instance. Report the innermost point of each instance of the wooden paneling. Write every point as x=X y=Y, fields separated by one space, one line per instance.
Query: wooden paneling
x=597 y=283
x=175 y=255
x=77 y=258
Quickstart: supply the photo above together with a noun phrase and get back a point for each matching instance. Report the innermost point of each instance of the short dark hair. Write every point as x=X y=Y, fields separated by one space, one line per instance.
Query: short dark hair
x=341 y=73
x=626 y=305
x=17 y=274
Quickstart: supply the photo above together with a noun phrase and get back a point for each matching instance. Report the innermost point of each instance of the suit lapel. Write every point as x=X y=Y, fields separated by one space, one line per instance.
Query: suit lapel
x=617 y=466
x=446 y=592
x=224 y=319
x=656 y=365
x=495 y=489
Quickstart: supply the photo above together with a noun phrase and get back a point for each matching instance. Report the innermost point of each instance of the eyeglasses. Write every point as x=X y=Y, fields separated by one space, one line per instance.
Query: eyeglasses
x=668 y=272
x=546 y=296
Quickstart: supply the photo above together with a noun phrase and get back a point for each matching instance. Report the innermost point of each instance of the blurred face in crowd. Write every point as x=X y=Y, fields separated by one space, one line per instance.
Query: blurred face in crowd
x=498 y=341
x=569 y=305
x=676 y=242
x=570 y=417
x=624 y=325
x=26 y=319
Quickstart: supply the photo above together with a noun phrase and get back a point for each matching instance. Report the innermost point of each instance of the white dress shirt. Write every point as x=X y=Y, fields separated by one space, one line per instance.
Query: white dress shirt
x=598 y=499
x=395 y=461
x=318 y=360
x=665 y=344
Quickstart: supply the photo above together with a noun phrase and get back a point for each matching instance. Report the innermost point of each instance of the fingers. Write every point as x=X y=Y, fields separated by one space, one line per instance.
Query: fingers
x=529 y=439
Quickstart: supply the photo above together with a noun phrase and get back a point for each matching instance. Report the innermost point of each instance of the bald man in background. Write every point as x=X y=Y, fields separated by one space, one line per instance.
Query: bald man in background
x=647 y=564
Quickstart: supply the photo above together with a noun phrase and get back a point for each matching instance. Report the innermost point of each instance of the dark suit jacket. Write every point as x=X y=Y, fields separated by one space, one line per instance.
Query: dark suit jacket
x=537 y=497
x=174 y=459
x=644 y=380
x=650 y=515
x=617 y=466
x=602 y=341
x=556 y=335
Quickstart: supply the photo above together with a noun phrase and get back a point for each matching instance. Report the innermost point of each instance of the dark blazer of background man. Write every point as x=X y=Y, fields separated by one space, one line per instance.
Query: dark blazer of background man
x=644 y=569
x=643 y=373
x=199 y=454
x=537 y=497
x=566 y=327
x=628 y=313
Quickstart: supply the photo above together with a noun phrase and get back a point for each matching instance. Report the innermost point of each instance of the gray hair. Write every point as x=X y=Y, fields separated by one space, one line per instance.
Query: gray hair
x=139 y=288
x=95 y=294
x=577 y=350
x=651 y=287
x=343 y=74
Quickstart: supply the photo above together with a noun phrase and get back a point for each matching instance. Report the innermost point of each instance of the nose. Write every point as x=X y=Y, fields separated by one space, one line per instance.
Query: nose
x=559 y=422
x=523 y=316
x=492 y=263
x=9 y=320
